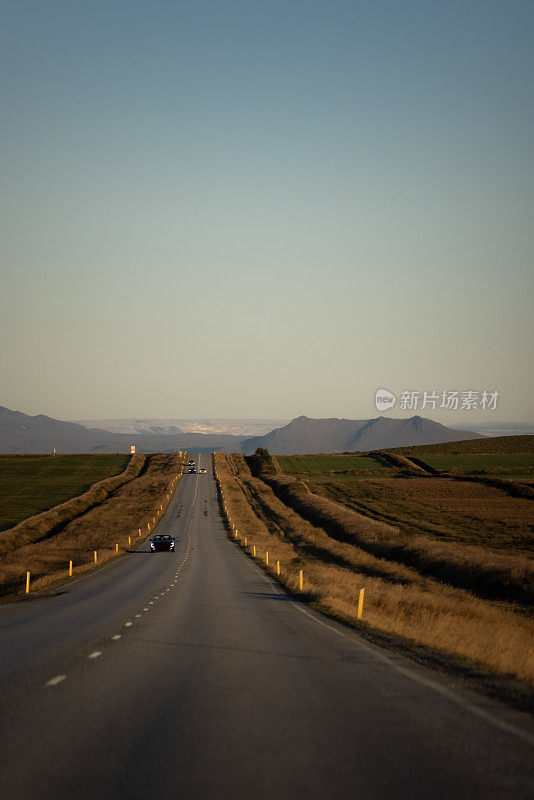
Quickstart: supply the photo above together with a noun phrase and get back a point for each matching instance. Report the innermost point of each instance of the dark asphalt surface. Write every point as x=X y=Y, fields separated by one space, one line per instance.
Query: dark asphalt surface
x=224 y=687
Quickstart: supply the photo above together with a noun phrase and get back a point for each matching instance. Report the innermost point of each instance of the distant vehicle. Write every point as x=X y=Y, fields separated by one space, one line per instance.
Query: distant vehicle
x=202 y=471
x=192 y=470
x=191 y=463
x=162 y=541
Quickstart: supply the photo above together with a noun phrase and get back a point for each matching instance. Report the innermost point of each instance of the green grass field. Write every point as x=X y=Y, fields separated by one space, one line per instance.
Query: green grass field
x=490 y=462
x=452 y=511
x=31 y=484
x=313 y=465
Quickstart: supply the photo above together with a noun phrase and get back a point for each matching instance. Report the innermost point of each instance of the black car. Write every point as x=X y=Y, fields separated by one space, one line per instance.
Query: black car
x=162 y=541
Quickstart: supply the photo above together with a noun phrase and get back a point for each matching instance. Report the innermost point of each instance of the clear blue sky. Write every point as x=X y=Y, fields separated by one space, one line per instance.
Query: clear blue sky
x=263 y=209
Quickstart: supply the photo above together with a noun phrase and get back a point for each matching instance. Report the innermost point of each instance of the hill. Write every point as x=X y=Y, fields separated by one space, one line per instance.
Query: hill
x=488 y=446
x=304 y=435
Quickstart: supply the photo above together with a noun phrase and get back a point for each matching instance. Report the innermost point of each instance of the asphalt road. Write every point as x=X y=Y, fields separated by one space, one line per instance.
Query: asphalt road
x=192 y=675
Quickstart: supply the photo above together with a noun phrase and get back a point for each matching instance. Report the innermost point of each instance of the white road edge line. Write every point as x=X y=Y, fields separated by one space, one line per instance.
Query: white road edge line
x=116 y=637
x=430 y=684
x=408 y=673
x=95 y=654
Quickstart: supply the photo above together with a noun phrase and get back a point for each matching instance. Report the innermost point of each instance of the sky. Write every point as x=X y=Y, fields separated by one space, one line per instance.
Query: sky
x=264 y=209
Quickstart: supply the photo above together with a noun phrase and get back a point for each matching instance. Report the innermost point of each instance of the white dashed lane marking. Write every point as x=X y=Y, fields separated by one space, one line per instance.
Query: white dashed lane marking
x=56 y=680
x=97 y=653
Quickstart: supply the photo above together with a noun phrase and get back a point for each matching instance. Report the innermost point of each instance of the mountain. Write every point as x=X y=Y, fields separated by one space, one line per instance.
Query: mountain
x=21 y=433
x=304 y=435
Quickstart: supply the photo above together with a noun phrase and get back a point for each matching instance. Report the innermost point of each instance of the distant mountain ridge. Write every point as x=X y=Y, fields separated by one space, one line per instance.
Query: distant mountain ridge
x=22 y=433
x=305 y=435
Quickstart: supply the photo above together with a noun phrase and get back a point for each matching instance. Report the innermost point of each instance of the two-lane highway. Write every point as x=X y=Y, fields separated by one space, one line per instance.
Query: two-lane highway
x=193 y=675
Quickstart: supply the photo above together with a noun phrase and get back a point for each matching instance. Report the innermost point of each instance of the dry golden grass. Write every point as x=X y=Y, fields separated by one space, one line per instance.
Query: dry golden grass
x=116 y=512
x=400 y=601
x=490 y=574
x=407 y=466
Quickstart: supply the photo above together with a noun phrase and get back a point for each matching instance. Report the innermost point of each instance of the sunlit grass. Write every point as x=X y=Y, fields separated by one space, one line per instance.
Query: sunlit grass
x=400 y=599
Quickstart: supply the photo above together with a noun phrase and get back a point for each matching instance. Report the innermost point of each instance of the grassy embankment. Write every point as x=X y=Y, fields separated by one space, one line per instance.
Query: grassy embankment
x=331 y=544
x=443 y=509
x=509 y=458
x=112 y=512
x=34 y=483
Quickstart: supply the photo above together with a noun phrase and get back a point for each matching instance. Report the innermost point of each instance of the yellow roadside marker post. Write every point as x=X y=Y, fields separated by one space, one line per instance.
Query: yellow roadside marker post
x=278 y=568
x=27 y=583
x=129 y=541
x=301 y=580
x=245 y=541
x=148 y=525
x=139 y=531
x=95 y=557
x=116 y=547
x=254 y=550
x=266 y=558
x=360 y=603
x=70 y=569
